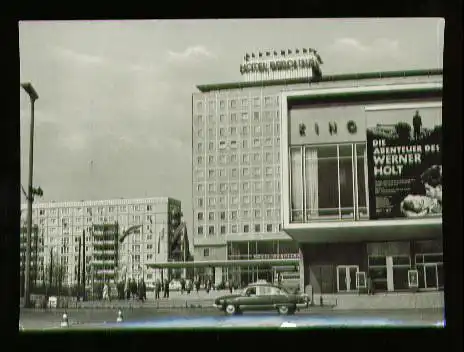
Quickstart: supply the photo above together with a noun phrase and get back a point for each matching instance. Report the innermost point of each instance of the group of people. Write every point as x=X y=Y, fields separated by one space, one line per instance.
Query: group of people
x=131 y=289
x=137 y=290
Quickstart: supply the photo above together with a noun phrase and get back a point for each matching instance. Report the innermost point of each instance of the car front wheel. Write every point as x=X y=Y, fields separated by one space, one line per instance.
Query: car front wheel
x=231 y=309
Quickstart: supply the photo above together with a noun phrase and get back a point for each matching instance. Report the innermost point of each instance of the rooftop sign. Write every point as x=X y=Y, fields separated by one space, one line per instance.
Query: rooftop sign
x=270 y=65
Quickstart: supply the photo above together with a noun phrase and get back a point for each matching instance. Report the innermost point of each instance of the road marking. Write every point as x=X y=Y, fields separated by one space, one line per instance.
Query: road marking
x=287 y=324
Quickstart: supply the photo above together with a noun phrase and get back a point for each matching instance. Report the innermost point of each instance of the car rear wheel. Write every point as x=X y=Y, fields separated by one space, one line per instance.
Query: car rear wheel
x=283 y=310
x=231 y=309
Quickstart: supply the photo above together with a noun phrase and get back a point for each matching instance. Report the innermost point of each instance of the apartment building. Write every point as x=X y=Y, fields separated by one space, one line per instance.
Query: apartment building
x=121 y=235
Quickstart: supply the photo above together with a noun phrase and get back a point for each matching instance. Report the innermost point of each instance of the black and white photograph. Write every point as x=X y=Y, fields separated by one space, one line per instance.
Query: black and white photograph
x=404 y=157
x=231 y=173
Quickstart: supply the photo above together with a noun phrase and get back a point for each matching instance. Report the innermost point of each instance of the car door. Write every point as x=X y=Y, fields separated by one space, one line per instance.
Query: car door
x=249 y=300
x=264 y=298
x=279 y=297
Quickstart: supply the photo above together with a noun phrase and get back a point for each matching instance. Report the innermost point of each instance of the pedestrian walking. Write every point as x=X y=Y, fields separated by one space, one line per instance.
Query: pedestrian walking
x=144 y=290
x=189 y=286
x=157 y=289
x=182 y=286
x=231 y=286
x=105 y=292
x=369 y=286
x=133 y=289
x=197 y=285
x=166 y=288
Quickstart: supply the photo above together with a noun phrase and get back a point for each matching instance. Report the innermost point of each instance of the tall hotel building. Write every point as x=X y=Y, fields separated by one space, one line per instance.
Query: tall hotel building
x=342 y=172
x=122 y=236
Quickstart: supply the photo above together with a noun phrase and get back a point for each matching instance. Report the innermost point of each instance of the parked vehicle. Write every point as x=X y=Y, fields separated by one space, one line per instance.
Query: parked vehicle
x=262 y=296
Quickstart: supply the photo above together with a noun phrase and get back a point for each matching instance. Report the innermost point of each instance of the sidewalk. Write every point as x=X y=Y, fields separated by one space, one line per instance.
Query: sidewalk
x=176 y=300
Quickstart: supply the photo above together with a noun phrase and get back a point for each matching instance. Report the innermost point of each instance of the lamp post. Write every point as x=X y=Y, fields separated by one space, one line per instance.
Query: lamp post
x=33 y=97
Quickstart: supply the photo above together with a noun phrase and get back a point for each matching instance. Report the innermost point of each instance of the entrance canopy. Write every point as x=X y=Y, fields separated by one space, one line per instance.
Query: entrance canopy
x=224 y=263
x=366 y=231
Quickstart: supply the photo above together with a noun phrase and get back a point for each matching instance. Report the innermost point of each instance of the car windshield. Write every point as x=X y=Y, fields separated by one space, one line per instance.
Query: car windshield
x=249 y=290
x=284 y=290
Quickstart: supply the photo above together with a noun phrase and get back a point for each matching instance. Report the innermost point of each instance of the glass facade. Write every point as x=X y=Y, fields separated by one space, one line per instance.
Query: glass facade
x=260 y=250
x=328 y=182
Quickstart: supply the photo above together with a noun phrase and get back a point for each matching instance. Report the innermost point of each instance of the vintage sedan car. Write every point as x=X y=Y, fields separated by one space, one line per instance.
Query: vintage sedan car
x=258 y=297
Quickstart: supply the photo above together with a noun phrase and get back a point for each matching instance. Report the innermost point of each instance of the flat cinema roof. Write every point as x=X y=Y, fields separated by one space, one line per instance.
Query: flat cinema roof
x=224 y=263
x=329 y=78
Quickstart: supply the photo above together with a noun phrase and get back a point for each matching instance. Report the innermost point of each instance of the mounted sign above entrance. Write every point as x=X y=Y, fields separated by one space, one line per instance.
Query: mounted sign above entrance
x=326 y=124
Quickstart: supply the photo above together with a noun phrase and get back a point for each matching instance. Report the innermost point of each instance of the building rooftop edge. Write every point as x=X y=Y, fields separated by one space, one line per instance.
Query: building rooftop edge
x=329 y=78
x=102 y=201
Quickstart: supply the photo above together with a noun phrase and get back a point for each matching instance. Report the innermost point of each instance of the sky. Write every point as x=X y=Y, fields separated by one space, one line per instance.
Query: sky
x=114 y=115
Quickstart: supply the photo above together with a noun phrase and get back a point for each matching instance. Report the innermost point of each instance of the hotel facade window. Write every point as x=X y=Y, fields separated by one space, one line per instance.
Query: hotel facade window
x=328 y=182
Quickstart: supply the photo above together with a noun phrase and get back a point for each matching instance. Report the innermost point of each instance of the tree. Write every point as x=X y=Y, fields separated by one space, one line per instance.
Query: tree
x=55 y=274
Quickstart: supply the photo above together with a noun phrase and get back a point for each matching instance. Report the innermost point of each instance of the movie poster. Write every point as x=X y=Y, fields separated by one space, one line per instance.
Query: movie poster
x=404 y=162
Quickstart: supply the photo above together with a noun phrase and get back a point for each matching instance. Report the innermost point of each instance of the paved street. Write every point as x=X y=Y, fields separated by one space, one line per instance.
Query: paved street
x=210 y=317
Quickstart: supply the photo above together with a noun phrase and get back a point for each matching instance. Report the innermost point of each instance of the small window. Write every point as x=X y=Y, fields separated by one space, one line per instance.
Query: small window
x=251 y=291
x=223 y=229
x=200 y=216
x=244 y=116
x=211 y=215
x=233 y=144
x=246 y=228
x=206 y=252
x=256 y=116
x=234 y=229
x=222 y=144
x=257 y=228
x=211 y=146
x=223 y=215
x=211 y=230
x=233 y=103
x=269 y=227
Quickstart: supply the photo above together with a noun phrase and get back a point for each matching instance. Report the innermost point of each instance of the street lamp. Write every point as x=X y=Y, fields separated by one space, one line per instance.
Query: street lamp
x=33 y=97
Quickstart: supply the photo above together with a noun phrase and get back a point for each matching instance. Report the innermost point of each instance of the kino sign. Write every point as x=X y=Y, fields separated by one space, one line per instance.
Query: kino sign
x=272 y=66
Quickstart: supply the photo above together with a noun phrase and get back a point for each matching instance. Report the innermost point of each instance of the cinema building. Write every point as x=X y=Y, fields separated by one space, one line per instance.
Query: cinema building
x=361 y=182
x=285 y=180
